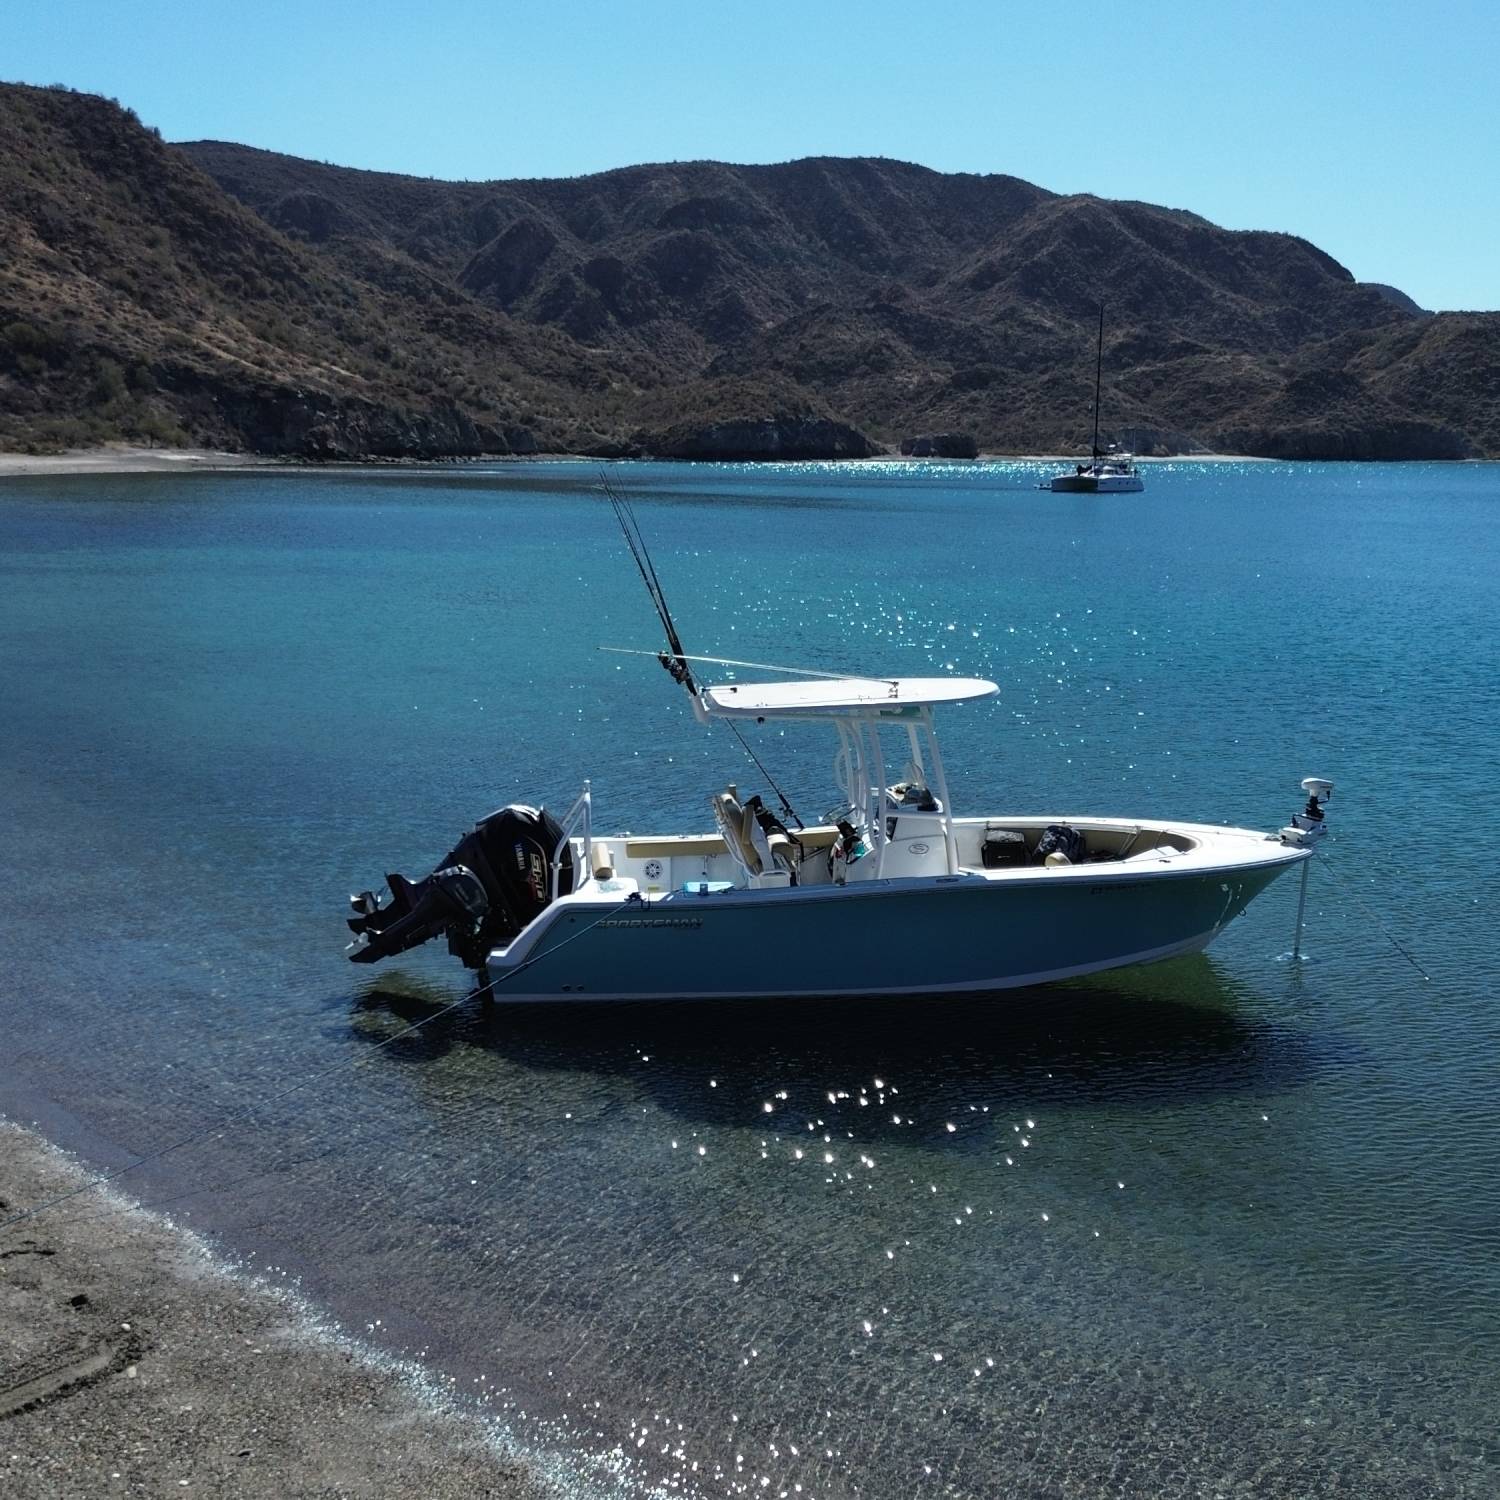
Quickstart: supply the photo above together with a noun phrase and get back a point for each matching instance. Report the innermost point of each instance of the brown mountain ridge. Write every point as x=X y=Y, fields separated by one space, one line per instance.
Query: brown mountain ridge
x=214 y=292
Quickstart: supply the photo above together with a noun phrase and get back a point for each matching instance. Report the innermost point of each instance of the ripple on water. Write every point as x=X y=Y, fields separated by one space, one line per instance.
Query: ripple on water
x=1220 y=1222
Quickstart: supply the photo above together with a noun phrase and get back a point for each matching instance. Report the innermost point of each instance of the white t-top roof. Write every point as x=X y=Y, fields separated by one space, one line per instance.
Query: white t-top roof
x=852 y=696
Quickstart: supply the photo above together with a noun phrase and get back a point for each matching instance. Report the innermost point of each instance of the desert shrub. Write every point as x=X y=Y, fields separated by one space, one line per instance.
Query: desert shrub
x=52 y=434
x=26 y=339
x=160 y=428
x=109 y=382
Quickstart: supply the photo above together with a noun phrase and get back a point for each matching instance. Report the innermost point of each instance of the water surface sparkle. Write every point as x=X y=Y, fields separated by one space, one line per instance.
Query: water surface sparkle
x=1222 y=1222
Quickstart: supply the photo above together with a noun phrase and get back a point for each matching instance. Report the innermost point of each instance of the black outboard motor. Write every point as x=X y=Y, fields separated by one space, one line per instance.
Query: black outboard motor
x=483 y=892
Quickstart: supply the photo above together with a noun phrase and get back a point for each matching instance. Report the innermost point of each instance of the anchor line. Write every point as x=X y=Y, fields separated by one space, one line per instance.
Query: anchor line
x=220 y=1185
x=322 y=1073
x=1374 y=916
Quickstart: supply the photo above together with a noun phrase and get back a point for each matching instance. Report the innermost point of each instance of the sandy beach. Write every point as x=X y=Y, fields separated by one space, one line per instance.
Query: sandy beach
x=121 y=459
x=132 y=1363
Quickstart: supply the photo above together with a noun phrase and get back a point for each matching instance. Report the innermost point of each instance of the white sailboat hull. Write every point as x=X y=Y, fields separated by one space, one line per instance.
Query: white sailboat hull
x=1097 y=484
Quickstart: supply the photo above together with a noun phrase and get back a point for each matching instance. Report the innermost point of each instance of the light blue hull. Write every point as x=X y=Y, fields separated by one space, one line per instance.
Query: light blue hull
x=965 y=933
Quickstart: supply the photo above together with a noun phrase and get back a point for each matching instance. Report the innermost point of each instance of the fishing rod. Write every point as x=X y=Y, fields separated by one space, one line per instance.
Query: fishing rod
x=677 y=662
x=1098 y=380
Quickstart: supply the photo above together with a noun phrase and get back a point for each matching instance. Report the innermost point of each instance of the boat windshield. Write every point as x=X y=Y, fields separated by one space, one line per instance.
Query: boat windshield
x=859 y=708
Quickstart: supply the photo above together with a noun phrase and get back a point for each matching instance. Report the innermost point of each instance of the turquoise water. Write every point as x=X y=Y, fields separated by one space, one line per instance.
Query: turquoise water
x=1226 y=1225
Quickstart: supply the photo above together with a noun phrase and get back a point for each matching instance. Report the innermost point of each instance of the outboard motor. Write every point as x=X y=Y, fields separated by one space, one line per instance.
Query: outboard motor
x=483 y=892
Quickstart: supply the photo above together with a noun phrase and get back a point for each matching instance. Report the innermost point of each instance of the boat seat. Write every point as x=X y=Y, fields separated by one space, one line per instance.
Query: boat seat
x=732 y=817
x=780 y=848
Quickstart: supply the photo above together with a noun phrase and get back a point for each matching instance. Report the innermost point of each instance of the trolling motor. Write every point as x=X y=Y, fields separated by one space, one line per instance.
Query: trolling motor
x=1307 y=827
x=483 y=892
x=1306 y=830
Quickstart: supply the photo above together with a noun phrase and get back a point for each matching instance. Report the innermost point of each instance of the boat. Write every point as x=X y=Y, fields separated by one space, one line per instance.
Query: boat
x=1110 y=471
x=892 y=893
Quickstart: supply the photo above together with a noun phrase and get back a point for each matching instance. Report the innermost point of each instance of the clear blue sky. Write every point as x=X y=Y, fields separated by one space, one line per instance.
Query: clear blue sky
x=1372 y=128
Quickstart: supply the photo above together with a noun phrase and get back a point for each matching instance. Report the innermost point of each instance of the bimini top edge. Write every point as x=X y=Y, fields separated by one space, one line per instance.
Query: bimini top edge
x=864 y=697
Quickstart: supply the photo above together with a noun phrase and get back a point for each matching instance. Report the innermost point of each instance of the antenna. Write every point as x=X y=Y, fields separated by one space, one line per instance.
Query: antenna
x=1098 y=377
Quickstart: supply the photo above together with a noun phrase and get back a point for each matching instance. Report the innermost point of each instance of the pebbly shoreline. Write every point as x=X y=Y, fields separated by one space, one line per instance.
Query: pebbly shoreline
x=132 y=1363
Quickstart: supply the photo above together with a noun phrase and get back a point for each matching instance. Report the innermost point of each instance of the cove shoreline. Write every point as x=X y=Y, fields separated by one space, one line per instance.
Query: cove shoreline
x=133 y=1361
x=120 y=459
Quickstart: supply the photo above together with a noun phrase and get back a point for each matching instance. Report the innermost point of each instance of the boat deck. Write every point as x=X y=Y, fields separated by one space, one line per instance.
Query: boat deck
x=659 y=866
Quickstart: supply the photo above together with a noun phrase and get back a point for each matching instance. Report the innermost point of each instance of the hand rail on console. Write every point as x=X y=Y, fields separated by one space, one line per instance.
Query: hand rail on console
x=579 y=815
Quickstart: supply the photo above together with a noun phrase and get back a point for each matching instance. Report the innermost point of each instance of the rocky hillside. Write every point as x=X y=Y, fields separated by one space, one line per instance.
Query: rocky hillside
x=138 y=300
x=911 y=301
x=216 y=293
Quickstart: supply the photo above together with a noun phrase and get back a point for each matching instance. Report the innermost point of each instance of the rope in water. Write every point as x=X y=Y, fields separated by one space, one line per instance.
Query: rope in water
x=220 y=1185
x=475 y=994
x=1374 y=916
x=341 y=1066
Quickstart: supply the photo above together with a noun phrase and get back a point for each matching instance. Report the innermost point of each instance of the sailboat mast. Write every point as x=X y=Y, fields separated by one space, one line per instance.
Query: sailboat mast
x=1098 y=377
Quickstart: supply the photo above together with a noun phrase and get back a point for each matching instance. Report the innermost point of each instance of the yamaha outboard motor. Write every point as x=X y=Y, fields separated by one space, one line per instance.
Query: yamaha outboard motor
x=483 y=892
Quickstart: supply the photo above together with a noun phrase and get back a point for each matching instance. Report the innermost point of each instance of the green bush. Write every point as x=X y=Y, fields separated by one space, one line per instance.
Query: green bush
x=109 y=382
x=162 y=429
x=21 y=338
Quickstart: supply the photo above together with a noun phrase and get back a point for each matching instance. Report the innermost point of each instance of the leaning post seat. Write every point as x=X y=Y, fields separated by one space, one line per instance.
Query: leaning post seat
x=729 y=812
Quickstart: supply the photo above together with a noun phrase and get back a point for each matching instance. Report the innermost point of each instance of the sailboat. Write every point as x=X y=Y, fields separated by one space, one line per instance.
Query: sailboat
x=1111 y=471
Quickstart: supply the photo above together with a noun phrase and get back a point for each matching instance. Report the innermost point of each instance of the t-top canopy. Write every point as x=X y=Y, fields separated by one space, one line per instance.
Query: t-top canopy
x=862 y=697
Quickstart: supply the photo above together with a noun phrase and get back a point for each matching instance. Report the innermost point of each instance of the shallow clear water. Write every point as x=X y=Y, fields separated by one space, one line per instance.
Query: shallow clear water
x=1225 y=1225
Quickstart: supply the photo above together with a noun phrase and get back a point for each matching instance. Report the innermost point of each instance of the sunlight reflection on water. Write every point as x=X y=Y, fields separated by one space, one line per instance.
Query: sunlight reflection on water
x=1221 y=1221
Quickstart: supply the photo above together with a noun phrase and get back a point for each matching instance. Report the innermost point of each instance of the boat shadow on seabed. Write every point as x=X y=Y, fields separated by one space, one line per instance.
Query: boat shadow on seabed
x=1135 y=1037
